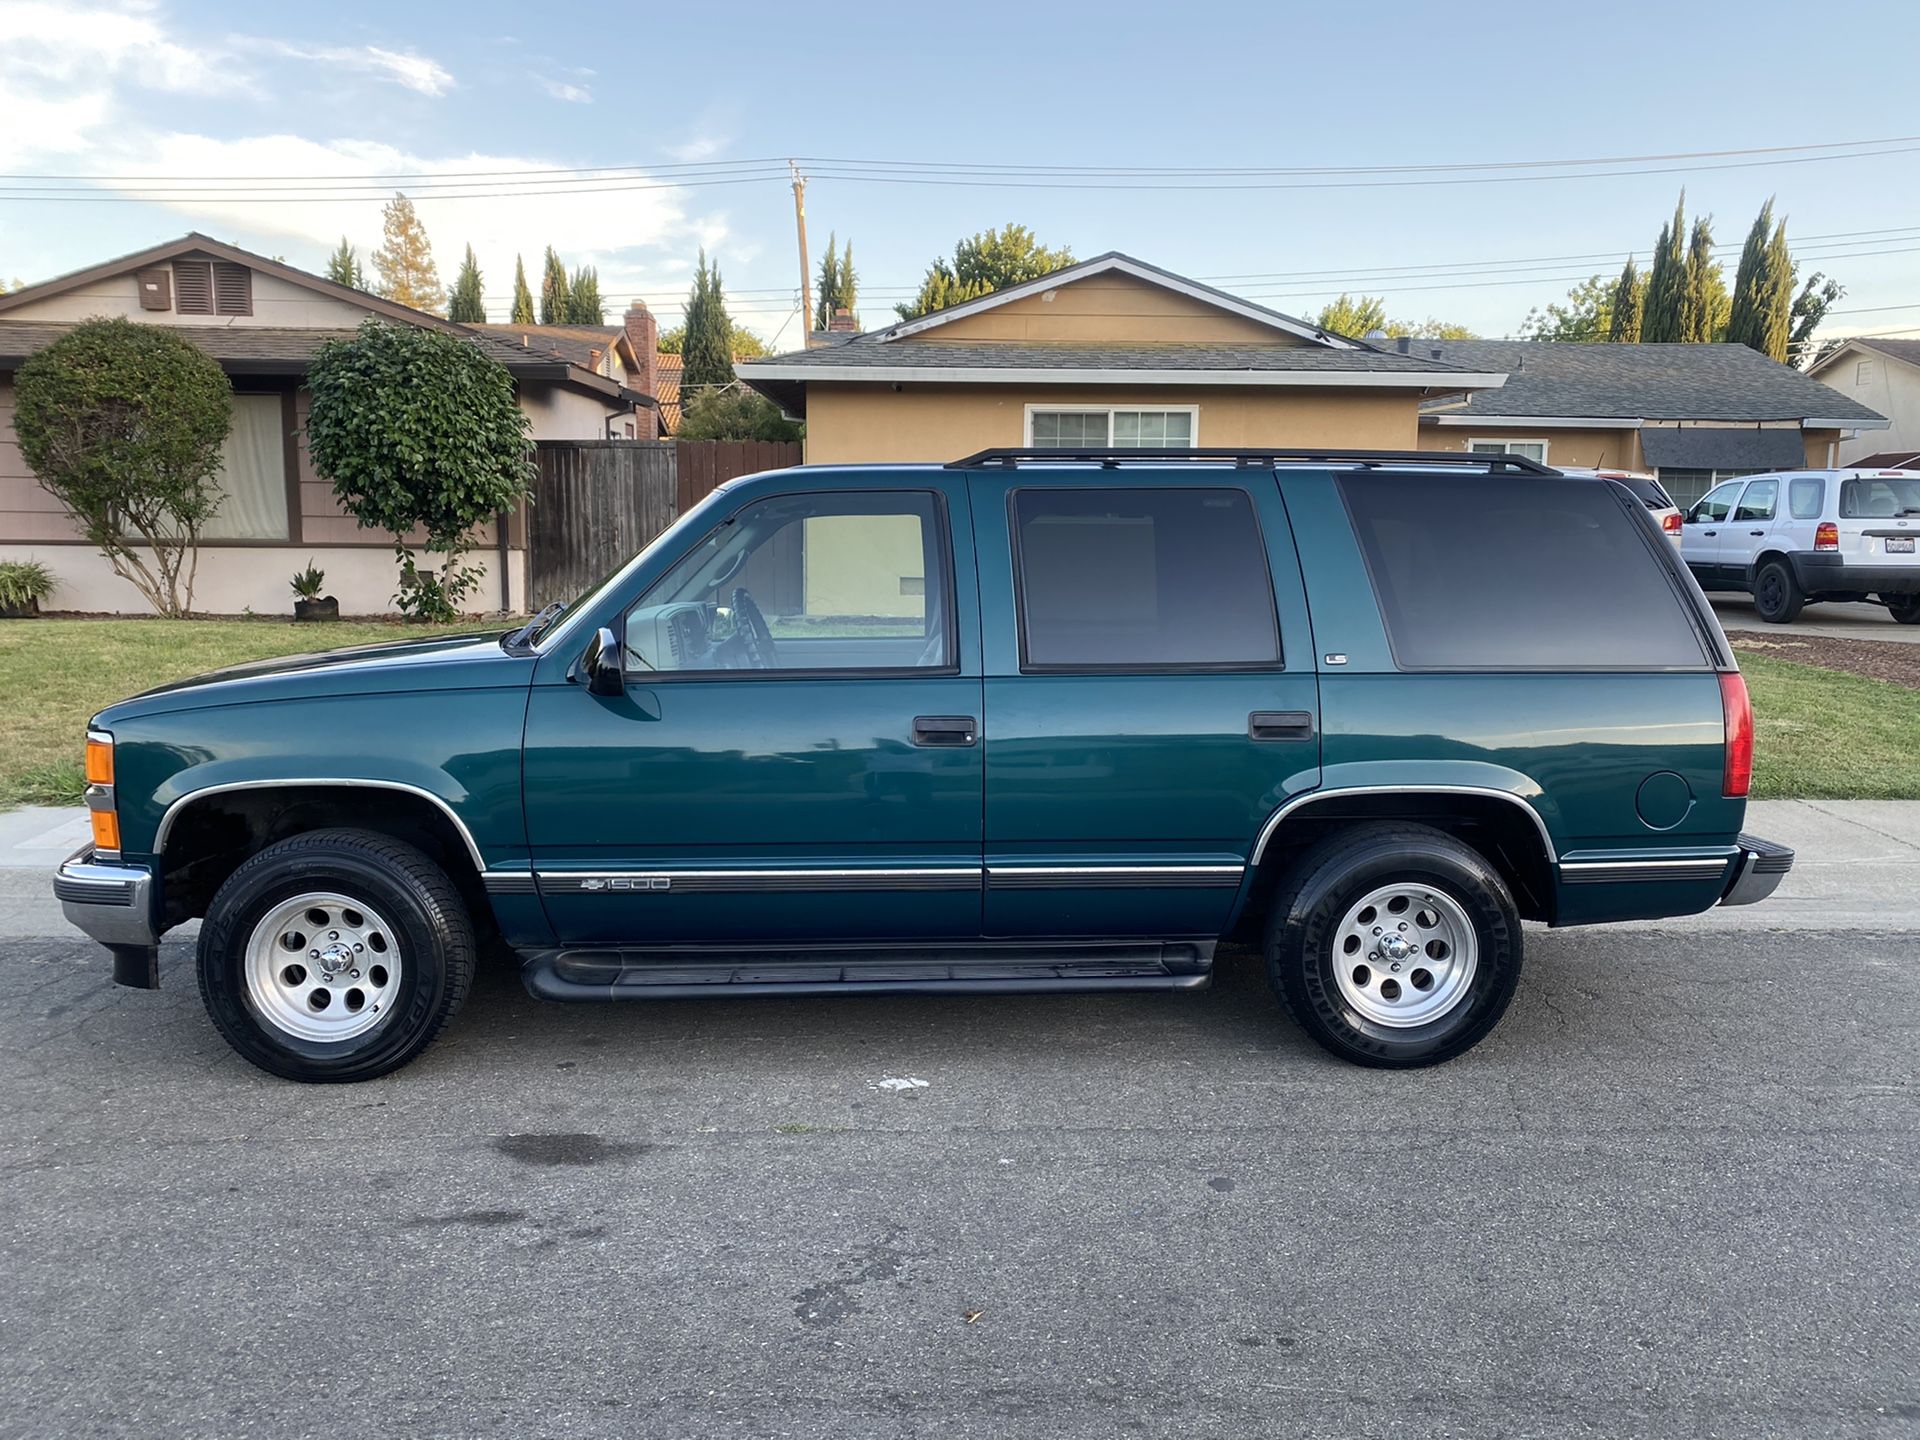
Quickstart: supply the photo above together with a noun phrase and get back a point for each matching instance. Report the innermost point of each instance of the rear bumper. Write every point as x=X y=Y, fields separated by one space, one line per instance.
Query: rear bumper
x=1819 y=570
x=1757 y=871
x=113 y=903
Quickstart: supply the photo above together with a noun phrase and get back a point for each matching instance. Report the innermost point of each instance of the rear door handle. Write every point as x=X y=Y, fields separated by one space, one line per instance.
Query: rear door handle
x=1280 y=725
x=1756 y=532
x=949 y=730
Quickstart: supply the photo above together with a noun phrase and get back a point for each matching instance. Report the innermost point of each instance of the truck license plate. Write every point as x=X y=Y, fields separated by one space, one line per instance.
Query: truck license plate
x=1900 y=545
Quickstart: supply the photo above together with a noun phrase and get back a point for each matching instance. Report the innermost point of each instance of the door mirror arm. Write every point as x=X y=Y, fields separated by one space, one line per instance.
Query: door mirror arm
x=601 y=665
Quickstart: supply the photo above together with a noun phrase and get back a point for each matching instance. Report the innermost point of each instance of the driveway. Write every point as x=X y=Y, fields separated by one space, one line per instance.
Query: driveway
x=1842 y=622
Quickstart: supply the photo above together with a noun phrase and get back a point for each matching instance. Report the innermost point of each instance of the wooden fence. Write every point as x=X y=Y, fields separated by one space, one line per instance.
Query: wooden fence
x=596 y=502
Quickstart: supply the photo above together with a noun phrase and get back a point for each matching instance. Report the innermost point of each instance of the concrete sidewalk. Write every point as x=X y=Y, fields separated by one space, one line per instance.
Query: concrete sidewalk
x=1856 y=867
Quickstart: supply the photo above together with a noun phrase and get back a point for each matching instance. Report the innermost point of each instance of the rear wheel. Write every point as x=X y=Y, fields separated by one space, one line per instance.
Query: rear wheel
x=336 y=955
x=1394 y=945
x=1904 y=608
x=1777 y=595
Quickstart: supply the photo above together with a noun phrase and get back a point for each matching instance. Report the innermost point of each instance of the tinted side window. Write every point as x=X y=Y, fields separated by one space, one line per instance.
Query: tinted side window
x=1880 y=498
x=1805 y=496
x=1717 y=503
x=1489 y=572
x=1142 y=579
x=1758 y=502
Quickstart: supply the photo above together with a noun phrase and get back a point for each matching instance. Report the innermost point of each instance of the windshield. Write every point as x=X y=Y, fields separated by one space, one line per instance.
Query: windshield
x=1882 y=497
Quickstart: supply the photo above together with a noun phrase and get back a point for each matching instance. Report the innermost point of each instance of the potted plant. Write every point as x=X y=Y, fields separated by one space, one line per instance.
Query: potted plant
x=308 y=602
x=23 y=585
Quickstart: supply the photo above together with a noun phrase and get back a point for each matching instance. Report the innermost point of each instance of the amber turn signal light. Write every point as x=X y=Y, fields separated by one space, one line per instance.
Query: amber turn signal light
x=99 y=761
x=106 y=830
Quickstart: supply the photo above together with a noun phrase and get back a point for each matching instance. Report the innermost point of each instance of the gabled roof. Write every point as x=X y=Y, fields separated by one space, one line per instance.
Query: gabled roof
x=582 y=344
x=1115 y=262
x=1622 y=385
x=1905 y=351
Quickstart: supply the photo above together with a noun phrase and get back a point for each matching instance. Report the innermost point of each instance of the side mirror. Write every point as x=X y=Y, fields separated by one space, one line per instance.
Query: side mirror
x=601 y=665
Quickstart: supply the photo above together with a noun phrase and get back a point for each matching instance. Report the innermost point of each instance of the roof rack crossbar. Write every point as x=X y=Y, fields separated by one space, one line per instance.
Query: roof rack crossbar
x=1012 y=456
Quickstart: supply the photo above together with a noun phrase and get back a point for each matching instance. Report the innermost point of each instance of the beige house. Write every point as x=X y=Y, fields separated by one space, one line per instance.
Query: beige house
x=1114 y=351
x=1884 y=375
x=263 y=321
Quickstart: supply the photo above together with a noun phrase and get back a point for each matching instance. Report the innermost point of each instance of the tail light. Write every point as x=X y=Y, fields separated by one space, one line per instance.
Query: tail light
x=100 y=802
x=1670 y=522
x=1827 y=537
x=1737 y=709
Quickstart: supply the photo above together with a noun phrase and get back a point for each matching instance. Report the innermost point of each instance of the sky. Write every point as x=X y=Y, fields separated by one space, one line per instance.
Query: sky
x=281 y=128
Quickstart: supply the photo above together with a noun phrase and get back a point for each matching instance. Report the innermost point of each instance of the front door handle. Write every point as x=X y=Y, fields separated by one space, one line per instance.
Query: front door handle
x=1709 y=532
x=1280 y=725
x=949 y=730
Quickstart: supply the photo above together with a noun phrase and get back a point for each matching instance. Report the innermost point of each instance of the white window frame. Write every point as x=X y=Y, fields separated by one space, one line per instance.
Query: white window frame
x=1506 y=445
x=1192 y=413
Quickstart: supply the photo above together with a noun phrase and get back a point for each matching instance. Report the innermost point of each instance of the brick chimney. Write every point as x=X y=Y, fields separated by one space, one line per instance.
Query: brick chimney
x=643 y=334
x=842 y=322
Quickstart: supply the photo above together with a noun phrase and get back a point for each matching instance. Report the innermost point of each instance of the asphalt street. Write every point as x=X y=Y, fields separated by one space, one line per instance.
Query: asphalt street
x=1673 y=1195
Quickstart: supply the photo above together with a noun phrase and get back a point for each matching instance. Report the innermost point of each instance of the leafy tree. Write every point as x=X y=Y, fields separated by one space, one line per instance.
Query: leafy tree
x=1703 y=314
x=123 y=425
x=553 y=291
x=343 y=267
x=419 y=430
x=1663 y=316
x=1586 y=316
x=584 y=306
x=733 y=412
x=1430 y=328
x=989 y=261
x=522 y=313
x=708 y=349
x=1810 y=307
x=464 y=302
x=745 y=345
x=404 y=261
x=1762 y=314
x=1353 y=316
x=1623 y=306
x=672 y=342
x=838 y=285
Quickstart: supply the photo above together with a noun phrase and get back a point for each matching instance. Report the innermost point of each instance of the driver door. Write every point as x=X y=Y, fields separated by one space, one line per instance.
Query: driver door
x=796 y=758
x=1703 y=534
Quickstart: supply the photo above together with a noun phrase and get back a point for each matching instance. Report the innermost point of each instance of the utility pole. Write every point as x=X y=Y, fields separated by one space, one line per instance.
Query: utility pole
x=806 y=274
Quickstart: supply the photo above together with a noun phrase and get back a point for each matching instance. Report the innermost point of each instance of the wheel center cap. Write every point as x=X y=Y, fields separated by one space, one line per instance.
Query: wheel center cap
x=1396 y=947
x=336 y=958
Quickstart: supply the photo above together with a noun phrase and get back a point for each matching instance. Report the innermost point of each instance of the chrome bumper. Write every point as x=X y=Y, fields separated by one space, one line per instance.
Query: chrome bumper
x=114 y=904
x=1758 y=871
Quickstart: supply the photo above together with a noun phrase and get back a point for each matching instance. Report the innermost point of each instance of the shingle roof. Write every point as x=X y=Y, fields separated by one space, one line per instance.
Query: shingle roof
x=666 y=387
x=1907 y=350
x=586 y=345
x=1649 y=382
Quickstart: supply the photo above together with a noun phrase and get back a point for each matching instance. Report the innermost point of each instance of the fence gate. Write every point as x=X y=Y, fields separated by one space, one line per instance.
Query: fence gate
x=595 y=502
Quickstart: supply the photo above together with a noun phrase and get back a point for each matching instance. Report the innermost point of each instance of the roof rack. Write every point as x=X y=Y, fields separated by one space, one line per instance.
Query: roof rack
x=1012 y=456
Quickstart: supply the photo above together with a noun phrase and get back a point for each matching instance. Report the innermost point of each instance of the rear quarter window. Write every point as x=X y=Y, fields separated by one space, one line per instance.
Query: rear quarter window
x=1503 y=573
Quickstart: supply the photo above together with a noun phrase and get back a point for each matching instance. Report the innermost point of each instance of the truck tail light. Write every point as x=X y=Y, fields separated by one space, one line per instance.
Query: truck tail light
x=1737 y=709
x=1670 y=522
x=100 y=800
x=1827 y=536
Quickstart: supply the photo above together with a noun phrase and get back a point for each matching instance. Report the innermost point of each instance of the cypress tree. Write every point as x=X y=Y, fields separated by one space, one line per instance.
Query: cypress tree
x=583 y=298
x=343 y=267
x=1623 y=318
x=404 y=261
x=553 y=291
x=465 y=302
x=1703 y=312
x=838 y=285
x=1762 y=314
x=707 y=355
x=522 y=297
x=1660 y=321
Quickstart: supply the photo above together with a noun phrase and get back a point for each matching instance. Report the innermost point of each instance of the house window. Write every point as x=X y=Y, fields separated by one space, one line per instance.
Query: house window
x=1688 y=485
x=207 y=287
x=253 y=473
x=1526 y=449
x=1863 y=372
x=1097 y=427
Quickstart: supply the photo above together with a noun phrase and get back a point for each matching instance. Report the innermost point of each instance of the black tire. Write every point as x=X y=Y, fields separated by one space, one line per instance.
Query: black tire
x=1315 y=896
x=433 y=938
x=1904 y=608
x=1777 y=596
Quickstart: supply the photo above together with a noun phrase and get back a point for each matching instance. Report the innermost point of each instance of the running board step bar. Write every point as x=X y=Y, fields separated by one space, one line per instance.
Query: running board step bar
x=661 y=974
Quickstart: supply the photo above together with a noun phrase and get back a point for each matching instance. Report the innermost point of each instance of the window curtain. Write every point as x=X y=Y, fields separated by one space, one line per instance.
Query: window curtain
x=253 y=474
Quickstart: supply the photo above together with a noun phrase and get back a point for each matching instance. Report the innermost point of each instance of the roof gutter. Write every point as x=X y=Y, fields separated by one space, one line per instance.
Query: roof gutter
x=967 y=375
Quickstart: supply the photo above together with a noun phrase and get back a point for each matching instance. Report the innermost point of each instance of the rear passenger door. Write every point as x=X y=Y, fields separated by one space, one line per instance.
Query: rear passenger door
x=1150 y=695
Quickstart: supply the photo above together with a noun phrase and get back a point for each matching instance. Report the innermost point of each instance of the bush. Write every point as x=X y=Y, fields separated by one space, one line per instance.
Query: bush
x=123 y=424
x=733 y=412
x=24 y=583
x=418 y=430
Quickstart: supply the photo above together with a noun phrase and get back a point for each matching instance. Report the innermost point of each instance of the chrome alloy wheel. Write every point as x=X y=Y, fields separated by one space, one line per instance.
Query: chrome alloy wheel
x=323 y=967
x=1405 y=955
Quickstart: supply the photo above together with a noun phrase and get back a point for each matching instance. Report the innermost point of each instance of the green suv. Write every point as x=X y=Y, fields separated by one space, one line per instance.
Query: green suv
x=1032 y=721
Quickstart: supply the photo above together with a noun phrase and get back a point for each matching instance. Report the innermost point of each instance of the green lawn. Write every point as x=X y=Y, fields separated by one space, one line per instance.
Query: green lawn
x=1820 y=734
x=1824 y=735
x=55 y=673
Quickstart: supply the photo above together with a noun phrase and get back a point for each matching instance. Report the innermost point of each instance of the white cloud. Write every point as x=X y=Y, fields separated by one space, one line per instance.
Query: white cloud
x=562 y=90
x=403 y=67
x=46 y=46
x=701 y=147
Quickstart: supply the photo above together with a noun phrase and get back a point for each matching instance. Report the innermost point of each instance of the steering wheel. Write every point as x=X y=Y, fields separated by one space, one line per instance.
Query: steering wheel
x=751 y=628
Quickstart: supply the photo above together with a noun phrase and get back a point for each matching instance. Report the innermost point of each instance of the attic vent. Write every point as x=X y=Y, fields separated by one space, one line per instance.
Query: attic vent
x=232 y=290
x=156 y=288
x=193 y=287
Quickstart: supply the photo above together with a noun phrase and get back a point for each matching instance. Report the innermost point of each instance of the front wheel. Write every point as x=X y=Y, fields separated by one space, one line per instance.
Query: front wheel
x=1777 y=594
x=1904 y=608
x=336 y=955
x=1394 y=945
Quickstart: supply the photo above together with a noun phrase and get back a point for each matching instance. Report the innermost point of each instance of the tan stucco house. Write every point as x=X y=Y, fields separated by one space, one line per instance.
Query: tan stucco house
x=1114 y=351
x=263 y=321
x=1883 y=374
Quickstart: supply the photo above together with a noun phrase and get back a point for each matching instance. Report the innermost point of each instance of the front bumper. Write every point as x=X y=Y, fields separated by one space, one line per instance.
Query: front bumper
x=1828 y=570
x=1757 y=872
x=113 y=903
